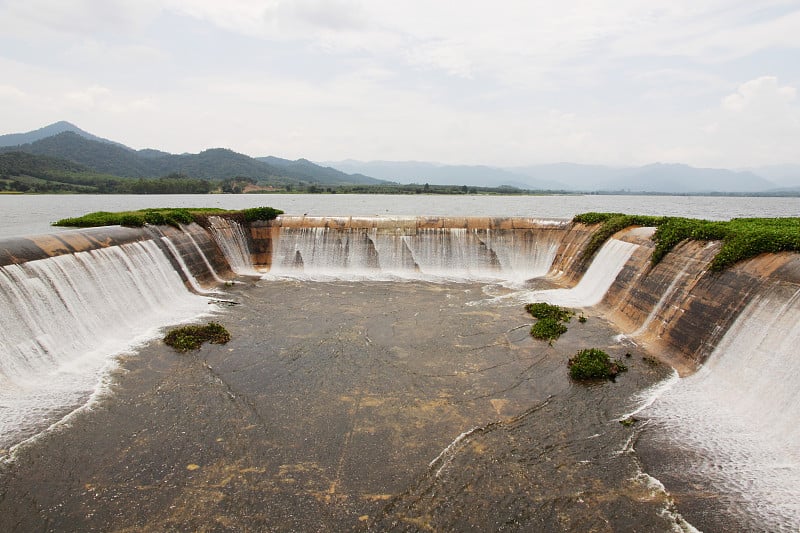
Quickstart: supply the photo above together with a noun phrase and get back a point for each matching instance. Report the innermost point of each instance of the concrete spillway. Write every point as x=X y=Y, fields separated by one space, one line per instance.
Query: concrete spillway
x=449 y=249
x=69 y=302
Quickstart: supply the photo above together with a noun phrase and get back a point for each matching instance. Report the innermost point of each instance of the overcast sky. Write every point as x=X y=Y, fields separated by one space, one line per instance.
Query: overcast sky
x=620 y=82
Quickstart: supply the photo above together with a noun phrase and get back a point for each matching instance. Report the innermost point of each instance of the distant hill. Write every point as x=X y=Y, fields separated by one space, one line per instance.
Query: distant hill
x=655 y=178
x=64 y=143
x=303 y=168
x=781 y=175
x=16 y=139
x=107 y=157
x=438 y=174
x=665 y=178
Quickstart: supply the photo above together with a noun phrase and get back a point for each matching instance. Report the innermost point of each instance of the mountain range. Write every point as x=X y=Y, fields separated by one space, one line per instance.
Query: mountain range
x=66 y=141
x=61 y=146
x=654 y=178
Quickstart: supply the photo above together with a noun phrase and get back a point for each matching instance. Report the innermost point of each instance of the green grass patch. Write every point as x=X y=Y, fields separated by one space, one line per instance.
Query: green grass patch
x=742 y=238
x=261 y=213
x=548 y=329
x=545 y=310
x=593 y=363
x=166 y=216
x=188 y=338
x=550 y=320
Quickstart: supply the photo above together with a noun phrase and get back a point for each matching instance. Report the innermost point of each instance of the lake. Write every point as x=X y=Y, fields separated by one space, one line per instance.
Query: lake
x=33 y=214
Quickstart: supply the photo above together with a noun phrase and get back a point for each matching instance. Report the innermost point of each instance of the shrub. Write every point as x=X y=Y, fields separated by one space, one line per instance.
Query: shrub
x=261 y=213
x=166 y=216
x=545 y=310
x=593 y=363
x=188 y=338
x=548 y=329
x=550 y=320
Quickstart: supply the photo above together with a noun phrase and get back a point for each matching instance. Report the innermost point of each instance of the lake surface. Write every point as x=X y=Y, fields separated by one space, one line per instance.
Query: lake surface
x=33 y=214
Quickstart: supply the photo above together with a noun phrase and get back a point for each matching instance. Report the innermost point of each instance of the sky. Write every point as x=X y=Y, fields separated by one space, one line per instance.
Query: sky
x=711 y=83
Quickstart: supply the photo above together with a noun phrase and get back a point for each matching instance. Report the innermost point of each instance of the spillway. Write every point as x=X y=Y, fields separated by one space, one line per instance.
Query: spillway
x=404 y=248
x=70 y=302
x=63 y=316
x=739 y=415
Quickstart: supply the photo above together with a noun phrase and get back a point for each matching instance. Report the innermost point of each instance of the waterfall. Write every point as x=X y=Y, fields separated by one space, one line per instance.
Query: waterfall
x=594 y=284
x=455 y=254
x=208 y=264
x=740 y=413
x=185 y=268
x=62 y=317
x=231 y=239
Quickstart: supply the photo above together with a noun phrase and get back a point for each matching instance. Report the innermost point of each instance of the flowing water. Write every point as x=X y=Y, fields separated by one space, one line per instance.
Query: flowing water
x=435 y=253
x=63 y=317
x=592 y=287
x=231 y=239
x=738 y=418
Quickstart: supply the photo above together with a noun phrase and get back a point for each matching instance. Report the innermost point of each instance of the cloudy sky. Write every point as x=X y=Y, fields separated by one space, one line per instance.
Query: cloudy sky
x=620 y=82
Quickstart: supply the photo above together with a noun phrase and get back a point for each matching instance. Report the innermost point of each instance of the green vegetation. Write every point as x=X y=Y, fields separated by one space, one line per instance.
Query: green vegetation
x=261 y=213
x=545 y=310
x=29 y=173
x=742 y=238
x=550 y=320
x=166 y=216
x=188 y=338
x=548 y=329
x=610 y=224
x=593 y=363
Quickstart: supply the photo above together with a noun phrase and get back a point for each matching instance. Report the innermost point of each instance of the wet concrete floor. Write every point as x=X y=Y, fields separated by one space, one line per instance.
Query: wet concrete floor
x=370 y=406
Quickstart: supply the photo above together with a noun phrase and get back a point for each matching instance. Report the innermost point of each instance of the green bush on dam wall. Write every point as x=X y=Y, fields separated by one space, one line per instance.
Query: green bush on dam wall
x=166 y=216
x=742 y=238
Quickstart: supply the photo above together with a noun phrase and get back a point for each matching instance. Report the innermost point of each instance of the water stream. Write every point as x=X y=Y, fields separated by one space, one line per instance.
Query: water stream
x=63 y=317
x=455 y=254
x=738 y=417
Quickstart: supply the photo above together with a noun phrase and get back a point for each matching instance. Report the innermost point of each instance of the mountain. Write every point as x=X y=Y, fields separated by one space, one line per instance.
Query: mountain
x=16 y=139
x=655 y=178
x=438 y=174
x=681 y=179
x=786 y=176
x=107 y=157
x=573 y=176
x=303 y=168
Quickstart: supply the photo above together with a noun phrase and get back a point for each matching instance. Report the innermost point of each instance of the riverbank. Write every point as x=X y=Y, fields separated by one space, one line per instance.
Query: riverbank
x=339 y=406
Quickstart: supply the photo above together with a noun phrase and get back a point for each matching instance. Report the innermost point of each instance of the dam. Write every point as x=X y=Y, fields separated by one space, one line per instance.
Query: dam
x=720 y=431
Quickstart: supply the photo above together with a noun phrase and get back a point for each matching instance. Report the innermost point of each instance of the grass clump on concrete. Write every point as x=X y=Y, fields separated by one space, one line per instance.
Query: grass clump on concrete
x=188 y=338
x=550 y=320
x=168 y=216
x=593 y=363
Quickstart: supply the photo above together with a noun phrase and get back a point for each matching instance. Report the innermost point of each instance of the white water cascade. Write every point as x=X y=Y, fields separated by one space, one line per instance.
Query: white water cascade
x=229 y=236
x=455 y=254
x=208 y=264
x=196 y=287
x=592 y=287
x=740 y=413
x=64 y=317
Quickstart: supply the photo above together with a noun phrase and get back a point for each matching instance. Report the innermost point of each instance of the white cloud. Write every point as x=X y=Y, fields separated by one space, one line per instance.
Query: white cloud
x=78 y=17
x=517 y=82
x=762 y=96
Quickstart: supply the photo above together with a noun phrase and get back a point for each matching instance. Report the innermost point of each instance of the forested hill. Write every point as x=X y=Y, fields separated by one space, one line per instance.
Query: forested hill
x=16 y=139
x=303 y=167
x=215 y=164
